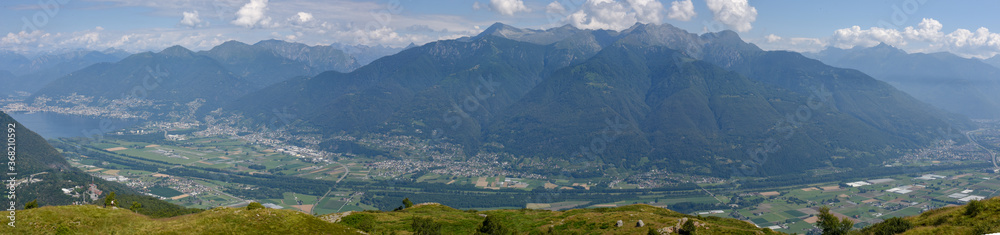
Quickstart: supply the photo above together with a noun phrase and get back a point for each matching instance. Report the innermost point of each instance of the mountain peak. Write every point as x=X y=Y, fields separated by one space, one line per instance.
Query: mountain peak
x=884 y=48
x=176 y=51
x=231 y=44
x=498 y=29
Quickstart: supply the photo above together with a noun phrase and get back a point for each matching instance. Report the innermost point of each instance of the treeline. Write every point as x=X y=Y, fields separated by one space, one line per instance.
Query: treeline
x=153 y=207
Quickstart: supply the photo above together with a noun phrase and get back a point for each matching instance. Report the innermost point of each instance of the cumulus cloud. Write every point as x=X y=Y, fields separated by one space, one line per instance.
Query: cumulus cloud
x=304 y=17
x=252 y=14
x=476 y=6
x=555 y=8
x=508 y=7
x=924 y=37
x=646 y=10
x=772 y=38
x=736 y=14
x=681 y=10
x=615 y=15
x=191 y=19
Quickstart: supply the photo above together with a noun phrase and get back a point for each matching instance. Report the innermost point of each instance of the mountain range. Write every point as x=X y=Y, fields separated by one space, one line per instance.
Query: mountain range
x=21 y=74
x=960 y=85
x=215 y=76
x=651 y=96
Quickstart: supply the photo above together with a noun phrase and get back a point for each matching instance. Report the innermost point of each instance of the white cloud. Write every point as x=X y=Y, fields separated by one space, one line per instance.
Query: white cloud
x=925 y=37
x=252 y=14
x=476 y=6
x=615 y=15
x=191 y=19
x=855 y=36
x=647 y=10
x=772 y=38
x=508 y=7
x=555 y=8
x=681 y=10
x=736 y=14
x=304 y=17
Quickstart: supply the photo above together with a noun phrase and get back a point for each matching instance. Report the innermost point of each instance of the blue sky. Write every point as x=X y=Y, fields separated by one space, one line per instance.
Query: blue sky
x=960 y=27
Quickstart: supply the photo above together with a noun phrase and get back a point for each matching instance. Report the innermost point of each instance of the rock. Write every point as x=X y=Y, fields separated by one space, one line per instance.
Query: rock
x=640 y=224
x=619 y=223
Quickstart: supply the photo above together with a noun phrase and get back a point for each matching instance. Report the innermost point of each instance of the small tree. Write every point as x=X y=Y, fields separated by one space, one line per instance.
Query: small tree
x=136 y=206
x=688 y=227
x=254 y=206
x=407 y=203
x=492 y=226
x=974 y=207
x=831 y=225
x=31 y=205
x=109 y=200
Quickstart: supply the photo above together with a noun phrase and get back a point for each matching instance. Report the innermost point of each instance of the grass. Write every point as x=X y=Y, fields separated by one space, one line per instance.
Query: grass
x=96 y=220
x=525 y=221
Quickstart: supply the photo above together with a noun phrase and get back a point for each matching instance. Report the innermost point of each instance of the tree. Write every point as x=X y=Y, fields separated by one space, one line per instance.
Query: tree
x=831 y=225
x=109 y=200
x=492 y=226
x=254 y=206
x=32 y=204
x=890 y=226
x=407 y=203
x=974 y=207
x=136 y=206
x=688 y=227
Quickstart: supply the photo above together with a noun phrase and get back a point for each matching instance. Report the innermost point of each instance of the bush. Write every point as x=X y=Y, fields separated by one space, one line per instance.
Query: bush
x=890 y=226
x=254 y=206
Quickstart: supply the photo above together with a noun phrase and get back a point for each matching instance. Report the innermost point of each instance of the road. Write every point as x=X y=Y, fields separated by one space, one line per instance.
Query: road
x=993 y=156
x=347 y=171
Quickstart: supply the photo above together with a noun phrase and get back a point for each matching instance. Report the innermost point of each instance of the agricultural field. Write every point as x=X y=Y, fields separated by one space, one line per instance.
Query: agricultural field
x=793 y=210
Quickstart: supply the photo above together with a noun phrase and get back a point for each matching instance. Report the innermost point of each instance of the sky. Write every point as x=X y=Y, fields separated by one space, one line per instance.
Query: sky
x=43 y=26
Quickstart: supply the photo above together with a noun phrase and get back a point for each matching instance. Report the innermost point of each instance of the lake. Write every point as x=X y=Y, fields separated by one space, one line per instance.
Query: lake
x=55 y=125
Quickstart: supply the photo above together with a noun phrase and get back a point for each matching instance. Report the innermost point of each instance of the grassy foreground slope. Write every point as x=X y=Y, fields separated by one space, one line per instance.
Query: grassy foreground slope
x=524 y=221
x=96 y=220
x=980 y=217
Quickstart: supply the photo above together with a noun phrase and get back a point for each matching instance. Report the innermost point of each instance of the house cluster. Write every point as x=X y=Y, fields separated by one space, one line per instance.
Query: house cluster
x=83 y=193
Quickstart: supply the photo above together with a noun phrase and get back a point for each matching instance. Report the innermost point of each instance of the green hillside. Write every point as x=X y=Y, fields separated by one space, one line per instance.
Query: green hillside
x=977 y=217
x=432 y=218
x=447 y=220
x=97 y=220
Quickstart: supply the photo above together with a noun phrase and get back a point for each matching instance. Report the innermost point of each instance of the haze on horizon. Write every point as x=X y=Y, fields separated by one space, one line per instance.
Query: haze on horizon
x=912 y=25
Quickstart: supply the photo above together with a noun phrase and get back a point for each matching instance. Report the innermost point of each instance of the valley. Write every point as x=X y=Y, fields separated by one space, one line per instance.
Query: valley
x=206 y=166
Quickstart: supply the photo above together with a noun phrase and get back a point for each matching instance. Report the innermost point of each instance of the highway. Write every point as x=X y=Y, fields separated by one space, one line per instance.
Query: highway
x=993 y=155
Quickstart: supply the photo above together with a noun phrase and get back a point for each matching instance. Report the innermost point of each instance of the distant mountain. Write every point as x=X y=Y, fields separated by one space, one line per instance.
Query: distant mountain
x=29 y=75
x=175 y=74
x=320 y=58
x=952 y=83
x=260 y=66
x=367 y=54
x=11 y=61
x=665 y=108
x=542 y=37
x=416 y=85
x=994 y=61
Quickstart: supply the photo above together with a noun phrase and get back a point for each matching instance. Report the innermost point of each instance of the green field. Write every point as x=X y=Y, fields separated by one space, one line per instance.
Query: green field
x=164 y=192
